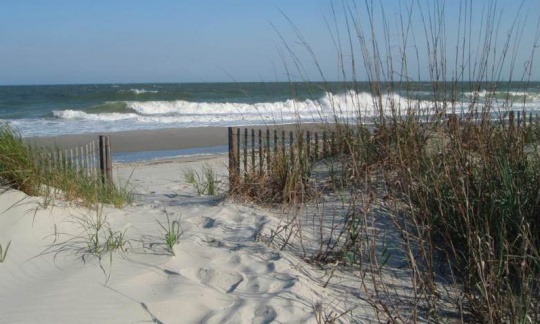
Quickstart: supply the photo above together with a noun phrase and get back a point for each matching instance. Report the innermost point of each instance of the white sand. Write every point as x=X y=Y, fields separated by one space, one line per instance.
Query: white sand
x=219 y=273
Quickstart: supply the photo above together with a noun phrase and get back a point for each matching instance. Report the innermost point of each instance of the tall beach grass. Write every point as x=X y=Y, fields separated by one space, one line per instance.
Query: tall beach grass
x=457 y=181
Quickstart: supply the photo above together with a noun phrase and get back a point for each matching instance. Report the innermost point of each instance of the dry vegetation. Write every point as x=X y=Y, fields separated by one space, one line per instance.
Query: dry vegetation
x=446 y=197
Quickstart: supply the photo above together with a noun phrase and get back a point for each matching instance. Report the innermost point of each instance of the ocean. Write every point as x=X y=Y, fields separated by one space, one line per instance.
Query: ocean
x=49 y=110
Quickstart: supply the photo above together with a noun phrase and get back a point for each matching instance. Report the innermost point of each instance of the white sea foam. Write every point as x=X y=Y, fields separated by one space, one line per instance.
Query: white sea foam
x=179 y=113
x=347 y=106
x=529 y=96
x=204 y=108
x=81 y=115
x=137 y=91
x=140 y=91
x=347 y=103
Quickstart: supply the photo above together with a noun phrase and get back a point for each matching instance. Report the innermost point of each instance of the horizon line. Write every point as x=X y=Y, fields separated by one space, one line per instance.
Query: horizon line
x=243 y=82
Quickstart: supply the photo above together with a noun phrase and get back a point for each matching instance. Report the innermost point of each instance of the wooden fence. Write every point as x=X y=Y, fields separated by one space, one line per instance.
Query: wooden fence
x=514 y=118
x=252 y=151
x=92 y=160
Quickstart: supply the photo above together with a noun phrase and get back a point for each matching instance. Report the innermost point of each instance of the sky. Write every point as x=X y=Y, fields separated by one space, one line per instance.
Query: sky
x=137 y=41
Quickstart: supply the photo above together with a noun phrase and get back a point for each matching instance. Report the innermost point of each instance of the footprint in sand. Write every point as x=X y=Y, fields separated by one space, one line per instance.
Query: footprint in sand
x=225 y=281
x=264 y=314
x=233 y=217
x=204 y=222
x=282 y=282
x=235 y=259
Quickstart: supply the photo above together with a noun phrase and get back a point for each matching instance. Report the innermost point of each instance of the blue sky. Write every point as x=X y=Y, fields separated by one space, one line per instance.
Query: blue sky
x=130 y=41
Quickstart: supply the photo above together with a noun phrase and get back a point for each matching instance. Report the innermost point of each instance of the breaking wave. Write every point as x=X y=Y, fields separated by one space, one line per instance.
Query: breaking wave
x=347 y=106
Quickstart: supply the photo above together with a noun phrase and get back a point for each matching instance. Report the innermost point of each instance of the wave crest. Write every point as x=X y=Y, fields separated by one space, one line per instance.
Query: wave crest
x=141 y=91
x=81 y=115
x=345 y=105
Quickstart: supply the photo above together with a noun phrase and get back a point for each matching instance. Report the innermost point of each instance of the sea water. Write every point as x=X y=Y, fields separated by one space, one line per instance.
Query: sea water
x=50 y=110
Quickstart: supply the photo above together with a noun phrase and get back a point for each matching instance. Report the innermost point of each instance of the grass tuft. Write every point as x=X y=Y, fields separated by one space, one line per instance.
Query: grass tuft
x=172 y=233
x=204 y=183
x=100 y=238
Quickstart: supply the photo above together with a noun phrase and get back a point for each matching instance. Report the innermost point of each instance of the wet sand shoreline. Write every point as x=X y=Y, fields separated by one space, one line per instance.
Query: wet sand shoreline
x=153 y=140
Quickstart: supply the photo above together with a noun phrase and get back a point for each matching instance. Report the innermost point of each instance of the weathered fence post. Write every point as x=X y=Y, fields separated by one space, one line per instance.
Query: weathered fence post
x=245 y=158
x=234 y=165
x=511 y=121
x=253 y=150
x=316 y=149
x=283 y=143
x=291 y=147
x=261 y=162
x=308 y=146
x=94 y=159
x=275 y=142
x=105 y=161
x=268 y=154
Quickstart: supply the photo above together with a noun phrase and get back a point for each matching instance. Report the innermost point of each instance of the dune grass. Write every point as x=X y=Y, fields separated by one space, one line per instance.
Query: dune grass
x=24 y=168
x=456 y=180
x=100 y=238
x=172 y=232
x=17 y=168
x=206 y=182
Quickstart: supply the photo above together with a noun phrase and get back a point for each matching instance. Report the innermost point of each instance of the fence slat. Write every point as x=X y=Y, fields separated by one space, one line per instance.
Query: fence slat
x=252 y=150
x=261 y=162
x=94 y=159
x=316 y=148
x=283 y=144
x=268 y=150
x=233 y=161
x=105 y=158
x=245 y=150
x=291 y=149
x=87 y=160
x=275 y=142
x=308 y=140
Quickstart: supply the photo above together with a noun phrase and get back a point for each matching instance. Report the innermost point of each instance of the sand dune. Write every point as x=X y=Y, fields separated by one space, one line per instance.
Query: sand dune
x=219 y=272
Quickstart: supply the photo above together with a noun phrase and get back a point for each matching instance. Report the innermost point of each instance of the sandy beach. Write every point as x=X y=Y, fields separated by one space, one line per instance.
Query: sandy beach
x=265 y=162
x=220 y=271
